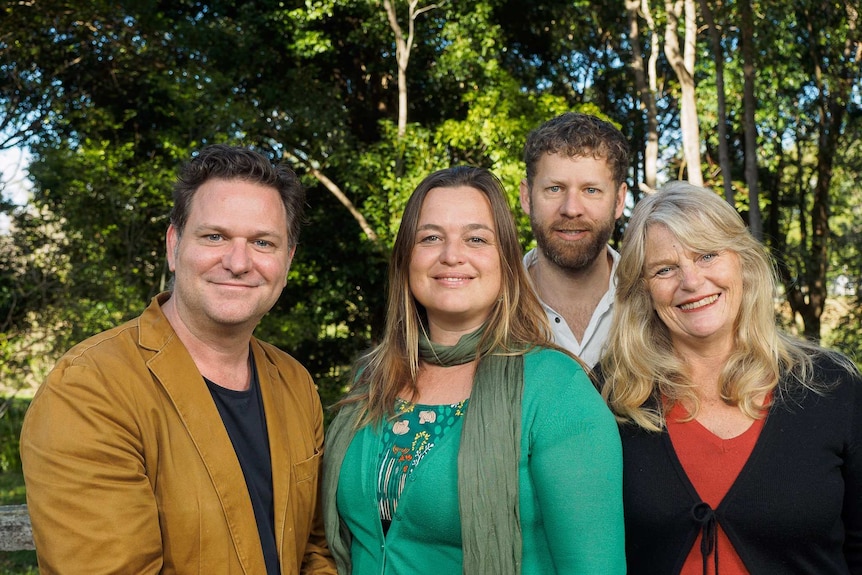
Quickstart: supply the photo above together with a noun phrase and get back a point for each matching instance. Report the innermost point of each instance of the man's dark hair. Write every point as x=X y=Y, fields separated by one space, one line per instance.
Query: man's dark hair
x=225 y=162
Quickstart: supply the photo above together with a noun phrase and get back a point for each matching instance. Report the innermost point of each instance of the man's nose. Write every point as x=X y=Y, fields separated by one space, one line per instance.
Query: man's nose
x=237 y=258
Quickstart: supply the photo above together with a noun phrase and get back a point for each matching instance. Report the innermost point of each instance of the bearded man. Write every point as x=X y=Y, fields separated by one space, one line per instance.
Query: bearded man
x=574 y=192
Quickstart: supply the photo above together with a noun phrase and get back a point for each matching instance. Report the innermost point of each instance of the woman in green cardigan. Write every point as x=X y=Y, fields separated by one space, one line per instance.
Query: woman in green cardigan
x=469 y=443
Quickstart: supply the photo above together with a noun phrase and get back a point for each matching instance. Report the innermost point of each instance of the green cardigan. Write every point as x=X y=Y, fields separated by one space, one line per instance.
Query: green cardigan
x=570 y=487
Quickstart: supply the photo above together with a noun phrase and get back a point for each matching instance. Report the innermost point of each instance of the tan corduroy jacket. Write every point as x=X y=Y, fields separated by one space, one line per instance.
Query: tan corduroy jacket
x=129 y=468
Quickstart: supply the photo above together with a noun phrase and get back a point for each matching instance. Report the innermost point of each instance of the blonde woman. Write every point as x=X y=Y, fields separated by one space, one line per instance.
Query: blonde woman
x=742 y=446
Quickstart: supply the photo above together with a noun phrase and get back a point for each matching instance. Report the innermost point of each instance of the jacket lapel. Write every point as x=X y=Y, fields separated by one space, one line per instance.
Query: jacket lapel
x=278 y=426
x=176 y=371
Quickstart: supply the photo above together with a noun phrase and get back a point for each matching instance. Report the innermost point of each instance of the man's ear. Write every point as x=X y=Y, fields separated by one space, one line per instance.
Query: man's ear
x=290 y=255
x=621 y=200
x=524 y=194
x=172 y=240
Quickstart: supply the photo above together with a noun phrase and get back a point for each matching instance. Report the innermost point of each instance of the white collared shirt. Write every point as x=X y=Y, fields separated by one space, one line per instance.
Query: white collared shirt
x=596 y=334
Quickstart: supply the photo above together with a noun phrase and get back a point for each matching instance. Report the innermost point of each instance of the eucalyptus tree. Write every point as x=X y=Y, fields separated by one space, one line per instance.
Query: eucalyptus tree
x=746 y=18
x=813 y=56
x=683 y=63
x=644 y=56
x=716 y=38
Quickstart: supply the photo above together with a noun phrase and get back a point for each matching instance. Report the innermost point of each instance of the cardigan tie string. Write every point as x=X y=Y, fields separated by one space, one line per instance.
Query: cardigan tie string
x=703 y=514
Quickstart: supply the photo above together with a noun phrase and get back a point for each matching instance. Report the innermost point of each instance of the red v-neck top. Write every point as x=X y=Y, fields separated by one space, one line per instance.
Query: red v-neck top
x=712 y=464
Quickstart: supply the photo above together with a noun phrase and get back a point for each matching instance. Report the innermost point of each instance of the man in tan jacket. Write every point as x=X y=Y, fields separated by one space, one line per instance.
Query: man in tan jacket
x=177 y=442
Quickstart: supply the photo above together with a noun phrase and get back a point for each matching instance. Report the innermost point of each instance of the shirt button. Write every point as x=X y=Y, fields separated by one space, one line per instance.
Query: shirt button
x=558 y=320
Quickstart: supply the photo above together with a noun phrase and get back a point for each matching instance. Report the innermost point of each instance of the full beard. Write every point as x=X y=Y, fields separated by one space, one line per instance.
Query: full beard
x=572 y=255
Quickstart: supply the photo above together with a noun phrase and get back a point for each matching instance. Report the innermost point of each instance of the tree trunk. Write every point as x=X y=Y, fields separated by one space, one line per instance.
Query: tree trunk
x=336 y=191
x=403 y=46
x=718 y=56
x=402 y=58
x=646 y=88
x=749 y=103
x=683 y=64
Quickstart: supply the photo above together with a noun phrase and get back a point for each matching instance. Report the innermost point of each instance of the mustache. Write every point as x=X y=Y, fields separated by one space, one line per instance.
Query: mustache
x=572 y=224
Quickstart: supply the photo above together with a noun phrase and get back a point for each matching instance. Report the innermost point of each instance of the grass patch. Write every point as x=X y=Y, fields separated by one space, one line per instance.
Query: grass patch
x=12 y=488
x=12 y=412
x=18 y=563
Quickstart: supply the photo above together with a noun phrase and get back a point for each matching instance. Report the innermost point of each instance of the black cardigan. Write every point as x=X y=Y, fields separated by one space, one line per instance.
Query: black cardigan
x=796 y=506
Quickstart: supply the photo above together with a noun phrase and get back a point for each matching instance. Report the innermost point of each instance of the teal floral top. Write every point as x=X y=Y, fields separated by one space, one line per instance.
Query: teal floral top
x=405 y=441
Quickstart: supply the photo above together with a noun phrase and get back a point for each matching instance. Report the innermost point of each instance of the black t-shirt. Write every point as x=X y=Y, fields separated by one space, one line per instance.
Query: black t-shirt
x=245 y=421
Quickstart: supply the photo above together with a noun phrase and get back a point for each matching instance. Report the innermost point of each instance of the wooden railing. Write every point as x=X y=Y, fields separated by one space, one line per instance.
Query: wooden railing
x=15 y=532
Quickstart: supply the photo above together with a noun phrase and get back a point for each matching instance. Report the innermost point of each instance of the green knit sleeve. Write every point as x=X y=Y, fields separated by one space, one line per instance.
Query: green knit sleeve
x=571 y=475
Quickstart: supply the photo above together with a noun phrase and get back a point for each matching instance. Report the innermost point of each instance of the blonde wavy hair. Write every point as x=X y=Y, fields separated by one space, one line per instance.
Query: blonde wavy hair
x=517 y=321
x=642 y=375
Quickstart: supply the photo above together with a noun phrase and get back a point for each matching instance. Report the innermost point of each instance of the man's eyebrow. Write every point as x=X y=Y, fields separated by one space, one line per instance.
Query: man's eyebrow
x=217 y=229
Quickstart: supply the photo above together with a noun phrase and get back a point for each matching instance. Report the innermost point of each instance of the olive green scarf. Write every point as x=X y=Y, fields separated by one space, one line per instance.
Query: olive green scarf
x=488 y=457
x=487 y=462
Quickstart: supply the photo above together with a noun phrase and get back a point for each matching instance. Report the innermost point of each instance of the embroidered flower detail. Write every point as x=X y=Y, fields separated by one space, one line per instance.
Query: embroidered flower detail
x=404 y=406
x=403 y=453
x=427 y=417
x=420 y=440
x=401 y=427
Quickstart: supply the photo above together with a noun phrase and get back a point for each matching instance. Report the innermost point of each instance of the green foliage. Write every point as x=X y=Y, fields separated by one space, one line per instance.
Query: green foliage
x=12 y=486
x=327 y=313
x=114 y=95
x=846 y=336
x=114 y=208
x=12 y=411
x=846 y=254
x=18 y=563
